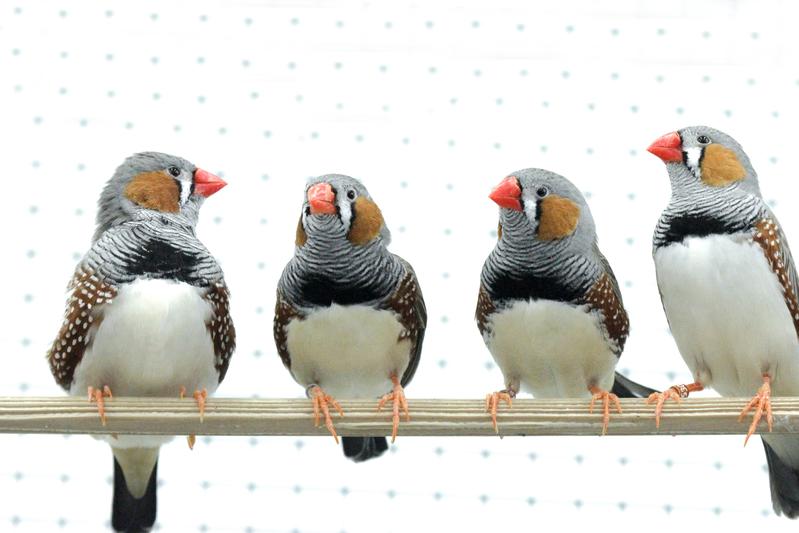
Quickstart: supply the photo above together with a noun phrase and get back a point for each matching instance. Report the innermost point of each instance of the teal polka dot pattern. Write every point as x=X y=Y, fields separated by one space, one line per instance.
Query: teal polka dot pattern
x=431 y=104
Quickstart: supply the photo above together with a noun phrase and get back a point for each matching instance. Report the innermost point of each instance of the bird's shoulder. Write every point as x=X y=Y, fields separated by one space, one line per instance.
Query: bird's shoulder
x=604 y=296
x=407 y=302
x=406 y=299
x=485 y=308
x=88 y=296
x=770 y=237
x=220 y=325
x=285 y=312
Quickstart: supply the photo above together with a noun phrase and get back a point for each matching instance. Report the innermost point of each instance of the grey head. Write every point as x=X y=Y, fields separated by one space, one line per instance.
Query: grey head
x=153 y=184
x=338 y=208
x=703 y=160
x=539 y=207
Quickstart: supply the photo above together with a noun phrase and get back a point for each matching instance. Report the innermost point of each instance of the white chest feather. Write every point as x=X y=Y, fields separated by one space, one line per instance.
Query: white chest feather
x=553 y=349
x=350 y=351
x=152 y=340
x=728 y=314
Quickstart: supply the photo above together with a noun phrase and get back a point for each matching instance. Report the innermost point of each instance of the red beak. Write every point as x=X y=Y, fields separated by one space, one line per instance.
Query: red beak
x=322 y=199
x=508 y=194
x=206 y=184
x=668 y=147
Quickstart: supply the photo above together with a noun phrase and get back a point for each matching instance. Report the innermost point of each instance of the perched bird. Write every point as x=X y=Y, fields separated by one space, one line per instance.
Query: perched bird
x=147 y=313
x=549 y=308
x=728 y=286
x=349 y=317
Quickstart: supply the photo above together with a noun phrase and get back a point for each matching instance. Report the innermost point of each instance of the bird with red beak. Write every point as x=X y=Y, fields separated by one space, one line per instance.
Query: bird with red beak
x=549 y=308
x=350 y=317
x=728 y=285
x=147 y=313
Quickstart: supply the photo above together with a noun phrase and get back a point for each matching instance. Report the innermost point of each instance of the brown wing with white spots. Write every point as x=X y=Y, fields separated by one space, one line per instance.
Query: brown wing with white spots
x=408 y=303
x=485 y=308
x=220 y=326
x=605 y=297
x=769 y=236
x=284 y=314
x=83 y=316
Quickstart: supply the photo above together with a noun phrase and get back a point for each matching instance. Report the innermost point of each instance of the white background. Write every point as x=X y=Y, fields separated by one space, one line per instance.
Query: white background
x=430 y=105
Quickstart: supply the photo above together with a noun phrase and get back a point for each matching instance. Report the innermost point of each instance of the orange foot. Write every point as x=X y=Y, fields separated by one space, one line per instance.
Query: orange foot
x=397 y=397
x=320 y=405
x=492 y=403
x=199 y=396
x=763 y=402
x=675 y=392
x=99 y=396
x=606 y=397
x=661 y=398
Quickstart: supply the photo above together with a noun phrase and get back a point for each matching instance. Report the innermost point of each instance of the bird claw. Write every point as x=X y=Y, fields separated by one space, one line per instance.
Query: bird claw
x=492 y=404
x=99 y=396
x=398 y=400
x=200 y=396
x=763 y=402
x=606 y=397
x=661 y=398
x=320 y=406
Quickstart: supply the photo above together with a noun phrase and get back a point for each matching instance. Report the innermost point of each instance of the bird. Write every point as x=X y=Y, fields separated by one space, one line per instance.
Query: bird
x=727 y=283
x=147 y=313
x=350 y=317
x=549 y=307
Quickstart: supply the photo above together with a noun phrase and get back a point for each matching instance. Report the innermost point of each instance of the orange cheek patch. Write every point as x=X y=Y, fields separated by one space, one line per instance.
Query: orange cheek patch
x=499 y=231
x=302 y=237
x=154 y=190
x=367 y=220
x=559 y=218
x=720 y=166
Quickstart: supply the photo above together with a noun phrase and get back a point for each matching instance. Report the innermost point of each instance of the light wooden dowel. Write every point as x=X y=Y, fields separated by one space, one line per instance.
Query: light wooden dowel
x=235 y=416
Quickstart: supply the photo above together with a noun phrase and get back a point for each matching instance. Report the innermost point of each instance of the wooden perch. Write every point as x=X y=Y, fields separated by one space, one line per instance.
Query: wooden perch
x=236 y=416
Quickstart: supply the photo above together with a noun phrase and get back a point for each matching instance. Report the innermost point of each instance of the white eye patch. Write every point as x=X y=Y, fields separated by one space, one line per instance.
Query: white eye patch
x=530 y=209
x=185 y=191
x=692 y=156
x=345 y=211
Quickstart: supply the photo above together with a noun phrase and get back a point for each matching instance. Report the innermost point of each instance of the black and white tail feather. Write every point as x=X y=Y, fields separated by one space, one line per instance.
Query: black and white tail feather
x=128 y=513
x=361 y=449
x=627 y=388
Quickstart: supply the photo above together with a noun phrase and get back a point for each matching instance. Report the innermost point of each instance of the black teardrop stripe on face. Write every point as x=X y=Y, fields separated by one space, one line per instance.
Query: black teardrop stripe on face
x=683 y=226
x=159 y=259
x=323 y=291
x=530 y=286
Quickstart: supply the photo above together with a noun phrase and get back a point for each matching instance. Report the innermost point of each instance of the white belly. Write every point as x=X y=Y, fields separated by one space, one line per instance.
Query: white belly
x=554 y=349
x=728 y=315
x=152 y=340
x=350 y=351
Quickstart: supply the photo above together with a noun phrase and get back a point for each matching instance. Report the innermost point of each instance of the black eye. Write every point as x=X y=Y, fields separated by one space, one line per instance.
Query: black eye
x=351 y=194
x=703 y=139
x=542 y=191
x=175 y=171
